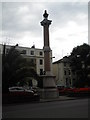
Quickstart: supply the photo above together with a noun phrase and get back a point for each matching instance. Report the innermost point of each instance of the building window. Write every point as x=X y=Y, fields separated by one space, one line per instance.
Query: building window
x=41 y=61
x=70 y=81
x=64 y=64
x=66 y=82
x=7 y=51
x=73 y=79
x=73 y=73
x=23 y=52
x=32 y=52
x=41 y=71
x=64 y=72
x=41 y=53
x=69 y=72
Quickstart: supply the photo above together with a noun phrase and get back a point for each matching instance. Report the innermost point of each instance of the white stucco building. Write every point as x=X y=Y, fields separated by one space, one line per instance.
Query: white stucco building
x=64 y=75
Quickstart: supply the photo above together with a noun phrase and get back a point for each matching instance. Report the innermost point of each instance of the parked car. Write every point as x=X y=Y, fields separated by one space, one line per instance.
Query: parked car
x=20 y=94
x=13 y=89
x=19 y=89
x=22 y=91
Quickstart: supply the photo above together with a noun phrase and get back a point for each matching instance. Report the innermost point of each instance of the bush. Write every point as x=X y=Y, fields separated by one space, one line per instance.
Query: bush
x=79 y=92
x=75 y=91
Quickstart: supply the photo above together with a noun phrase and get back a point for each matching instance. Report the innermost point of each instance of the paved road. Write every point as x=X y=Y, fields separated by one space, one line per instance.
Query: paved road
x=57 y=109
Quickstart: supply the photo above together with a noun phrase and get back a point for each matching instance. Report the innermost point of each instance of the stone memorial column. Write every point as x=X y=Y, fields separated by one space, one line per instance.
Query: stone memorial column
x=49 y=88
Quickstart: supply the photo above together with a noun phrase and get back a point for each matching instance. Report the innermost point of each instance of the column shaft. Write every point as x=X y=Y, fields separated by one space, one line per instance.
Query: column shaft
x=46 y=35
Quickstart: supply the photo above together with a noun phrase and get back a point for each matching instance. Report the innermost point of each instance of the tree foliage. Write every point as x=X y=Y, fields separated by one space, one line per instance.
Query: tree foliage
x=16 y=69
x=80 y=60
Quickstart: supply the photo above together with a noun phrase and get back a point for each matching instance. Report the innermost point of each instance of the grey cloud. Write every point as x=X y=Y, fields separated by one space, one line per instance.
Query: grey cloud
x=0 y=16
x=59 y=13
x=12 y=22
x=61 y=39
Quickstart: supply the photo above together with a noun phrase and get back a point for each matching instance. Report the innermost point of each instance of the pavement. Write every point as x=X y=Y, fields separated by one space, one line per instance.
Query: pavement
x=60 y=98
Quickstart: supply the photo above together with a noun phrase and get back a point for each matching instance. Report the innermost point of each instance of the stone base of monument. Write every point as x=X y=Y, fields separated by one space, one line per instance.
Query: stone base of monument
x=49 y=89
x=48 y=93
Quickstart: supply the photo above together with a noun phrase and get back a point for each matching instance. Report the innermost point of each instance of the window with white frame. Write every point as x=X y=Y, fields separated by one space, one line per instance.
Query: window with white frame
x=41 y=61
x=32 y=52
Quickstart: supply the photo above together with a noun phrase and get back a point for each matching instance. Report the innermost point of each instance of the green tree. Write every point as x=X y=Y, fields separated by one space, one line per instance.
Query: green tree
x=15 y=69
x=80 y=59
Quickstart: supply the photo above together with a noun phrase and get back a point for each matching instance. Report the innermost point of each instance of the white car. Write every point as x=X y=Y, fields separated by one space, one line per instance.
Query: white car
x=19 y=89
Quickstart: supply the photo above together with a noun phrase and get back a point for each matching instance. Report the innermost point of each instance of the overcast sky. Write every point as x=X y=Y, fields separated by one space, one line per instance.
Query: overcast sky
x=69 y=28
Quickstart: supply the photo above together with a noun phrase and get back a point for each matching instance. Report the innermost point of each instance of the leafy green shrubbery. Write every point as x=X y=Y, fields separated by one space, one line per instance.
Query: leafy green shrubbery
x=16 y=69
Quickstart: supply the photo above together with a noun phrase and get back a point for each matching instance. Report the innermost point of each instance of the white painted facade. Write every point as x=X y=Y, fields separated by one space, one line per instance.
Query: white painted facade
x=63 y=73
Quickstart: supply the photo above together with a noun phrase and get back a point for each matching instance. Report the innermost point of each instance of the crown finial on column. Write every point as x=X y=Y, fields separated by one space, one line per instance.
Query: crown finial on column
x=45 y=15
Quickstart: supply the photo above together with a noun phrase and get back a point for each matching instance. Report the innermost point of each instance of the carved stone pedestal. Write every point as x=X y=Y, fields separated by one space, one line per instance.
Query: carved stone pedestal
x=49 y=89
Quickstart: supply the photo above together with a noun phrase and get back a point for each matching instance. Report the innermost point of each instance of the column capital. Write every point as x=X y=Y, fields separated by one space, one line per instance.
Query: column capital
x=46 y=22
